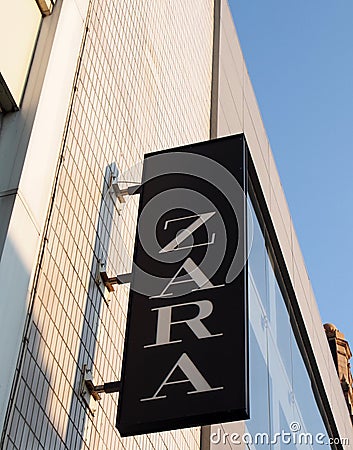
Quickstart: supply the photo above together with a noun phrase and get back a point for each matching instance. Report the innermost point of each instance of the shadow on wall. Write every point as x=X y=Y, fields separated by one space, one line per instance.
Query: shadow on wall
x=14 y=280
x=47 y=413
x=30 y=424
x=29 y=421
x=94 y=301
x=7 y=202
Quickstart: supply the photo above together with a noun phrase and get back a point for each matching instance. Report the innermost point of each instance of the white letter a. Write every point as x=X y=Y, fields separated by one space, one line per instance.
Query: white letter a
x=192 y=374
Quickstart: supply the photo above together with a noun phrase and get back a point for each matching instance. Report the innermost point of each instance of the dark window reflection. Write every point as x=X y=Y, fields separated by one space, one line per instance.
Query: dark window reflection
x=281 y=395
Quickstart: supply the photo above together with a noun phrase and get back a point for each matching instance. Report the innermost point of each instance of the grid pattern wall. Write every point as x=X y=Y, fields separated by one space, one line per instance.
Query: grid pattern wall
x=143 y=84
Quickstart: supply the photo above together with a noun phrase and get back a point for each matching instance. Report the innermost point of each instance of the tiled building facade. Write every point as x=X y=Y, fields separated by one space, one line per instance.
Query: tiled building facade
x=128 y=98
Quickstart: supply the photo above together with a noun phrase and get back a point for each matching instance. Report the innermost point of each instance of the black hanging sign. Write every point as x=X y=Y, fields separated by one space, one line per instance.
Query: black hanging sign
x=186 y=350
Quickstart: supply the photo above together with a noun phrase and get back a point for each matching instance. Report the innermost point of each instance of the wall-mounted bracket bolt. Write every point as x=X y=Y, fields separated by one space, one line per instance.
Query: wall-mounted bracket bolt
x=86 y=390
x=122 y=193
x=102 y=281
x=91 y=392
x=118 y=279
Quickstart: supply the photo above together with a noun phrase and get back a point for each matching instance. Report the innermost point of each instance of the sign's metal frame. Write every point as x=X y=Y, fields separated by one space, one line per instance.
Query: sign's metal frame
x=169 y=352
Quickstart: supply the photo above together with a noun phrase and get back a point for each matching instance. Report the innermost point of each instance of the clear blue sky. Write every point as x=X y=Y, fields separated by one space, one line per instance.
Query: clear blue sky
x=299 y=56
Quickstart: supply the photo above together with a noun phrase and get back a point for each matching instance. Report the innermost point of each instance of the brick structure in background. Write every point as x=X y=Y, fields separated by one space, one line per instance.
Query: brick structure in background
x=341 y=354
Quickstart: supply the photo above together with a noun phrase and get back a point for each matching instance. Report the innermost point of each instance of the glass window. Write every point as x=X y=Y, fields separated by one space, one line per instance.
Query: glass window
x=257 y=258
x=282 y=402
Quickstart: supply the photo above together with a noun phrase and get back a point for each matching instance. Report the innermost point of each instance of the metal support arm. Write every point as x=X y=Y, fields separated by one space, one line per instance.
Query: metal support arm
x=122 y=193
x=119 y=279
x=91 y=393
x=106 y=388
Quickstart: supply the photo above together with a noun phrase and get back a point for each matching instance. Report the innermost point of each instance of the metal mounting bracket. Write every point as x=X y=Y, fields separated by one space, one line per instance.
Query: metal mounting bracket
x=91 y=392
x=122 y=193
x=86 y=390
x=101 y=281
x=110 y=281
